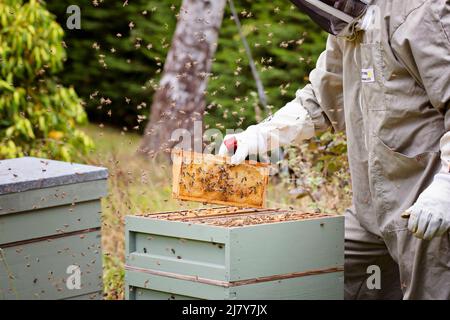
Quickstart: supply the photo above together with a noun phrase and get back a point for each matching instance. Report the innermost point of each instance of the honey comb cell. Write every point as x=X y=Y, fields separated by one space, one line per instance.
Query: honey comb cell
x=211 y=179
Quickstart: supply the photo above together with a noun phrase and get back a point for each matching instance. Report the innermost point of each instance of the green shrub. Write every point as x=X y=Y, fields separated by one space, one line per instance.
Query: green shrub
x=37 y=115
x=318 y=169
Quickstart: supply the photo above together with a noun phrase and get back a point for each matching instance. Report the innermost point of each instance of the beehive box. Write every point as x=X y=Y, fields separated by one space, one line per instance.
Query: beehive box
x=50 y=229
x=232 y=253
x=209 y=178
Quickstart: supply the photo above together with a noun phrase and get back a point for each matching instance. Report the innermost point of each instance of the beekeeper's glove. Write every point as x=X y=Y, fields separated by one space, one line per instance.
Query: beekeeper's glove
x=429 y=217
x=291 y=123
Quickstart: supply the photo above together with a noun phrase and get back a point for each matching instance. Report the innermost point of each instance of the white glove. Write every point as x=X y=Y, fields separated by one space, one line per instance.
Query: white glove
x=291 y=123
x=248 y=142
x=445 y=152
x=430 y=215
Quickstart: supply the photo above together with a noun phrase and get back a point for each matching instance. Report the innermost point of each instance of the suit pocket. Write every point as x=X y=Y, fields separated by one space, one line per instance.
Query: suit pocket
x=398 y=179
x=398 y=166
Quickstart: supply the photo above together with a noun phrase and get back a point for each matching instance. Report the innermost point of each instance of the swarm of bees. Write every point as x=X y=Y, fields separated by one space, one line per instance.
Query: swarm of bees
x=222 y=183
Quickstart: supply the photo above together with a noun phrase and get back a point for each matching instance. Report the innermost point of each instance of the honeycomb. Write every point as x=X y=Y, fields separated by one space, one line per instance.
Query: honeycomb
x=235 y=216
x=212 y=180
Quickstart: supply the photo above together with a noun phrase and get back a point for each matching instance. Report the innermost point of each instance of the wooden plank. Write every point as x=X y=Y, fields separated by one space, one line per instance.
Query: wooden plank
x=215 y=212
x=257 y=217
x=96 y=295
x=198 y=290
x=178 y=255
x=286 y=247
x=39 y=270
x=180 y=248
x=49 y=221
x=147 y=294
x=142 y=286
x=177 y=229
x=27 y=173
x=328 y=286
x=172 y=275
x=211 y=179
x=52 y=197
x=129 y=291
x=191 y=268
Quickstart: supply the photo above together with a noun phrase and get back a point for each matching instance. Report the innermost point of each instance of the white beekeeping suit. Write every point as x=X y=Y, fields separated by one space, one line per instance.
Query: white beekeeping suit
x=384 y=78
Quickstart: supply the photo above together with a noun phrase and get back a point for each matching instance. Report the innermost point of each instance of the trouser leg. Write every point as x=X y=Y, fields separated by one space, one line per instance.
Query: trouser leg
x=363 y=250
x=424 y=265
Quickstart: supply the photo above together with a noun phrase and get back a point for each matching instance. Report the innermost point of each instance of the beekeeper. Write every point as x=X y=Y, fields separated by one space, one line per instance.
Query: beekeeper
x=384 y=78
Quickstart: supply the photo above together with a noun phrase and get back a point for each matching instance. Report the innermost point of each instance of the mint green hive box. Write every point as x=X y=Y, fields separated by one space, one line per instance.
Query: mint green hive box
x=222 y=256
x=50 y=219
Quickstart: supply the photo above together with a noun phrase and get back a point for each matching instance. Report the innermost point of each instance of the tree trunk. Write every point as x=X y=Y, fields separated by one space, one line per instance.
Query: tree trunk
x=179 y=101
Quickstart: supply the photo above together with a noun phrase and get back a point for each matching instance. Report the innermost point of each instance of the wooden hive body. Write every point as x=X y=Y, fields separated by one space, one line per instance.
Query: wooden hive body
x=49 y=221
x=231 y=253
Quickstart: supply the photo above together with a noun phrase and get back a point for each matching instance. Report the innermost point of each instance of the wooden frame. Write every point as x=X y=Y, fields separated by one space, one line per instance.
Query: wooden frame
x=246 y=189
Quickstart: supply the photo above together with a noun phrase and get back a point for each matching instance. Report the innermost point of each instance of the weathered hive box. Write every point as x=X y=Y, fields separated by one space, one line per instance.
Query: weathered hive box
x=50 y=229
x=232 y=253
x=209 y=178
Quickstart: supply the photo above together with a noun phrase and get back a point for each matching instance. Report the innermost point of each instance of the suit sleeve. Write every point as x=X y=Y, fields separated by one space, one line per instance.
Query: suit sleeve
x=323 y=96
x=316 y=107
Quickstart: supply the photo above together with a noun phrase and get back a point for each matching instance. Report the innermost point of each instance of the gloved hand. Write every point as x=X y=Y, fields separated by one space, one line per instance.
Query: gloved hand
x=248 y=142
x=429 y=217
x=289 y=124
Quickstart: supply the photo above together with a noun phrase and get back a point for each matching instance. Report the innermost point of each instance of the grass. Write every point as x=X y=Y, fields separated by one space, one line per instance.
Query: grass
x=139 y=185
x=136 y=185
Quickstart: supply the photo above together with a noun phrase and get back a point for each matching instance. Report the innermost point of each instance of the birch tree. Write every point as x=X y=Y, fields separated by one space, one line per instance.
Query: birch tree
x=179 y=101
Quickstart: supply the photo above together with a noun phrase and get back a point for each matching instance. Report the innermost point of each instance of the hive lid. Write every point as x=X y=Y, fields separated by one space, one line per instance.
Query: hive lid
x=27 y=173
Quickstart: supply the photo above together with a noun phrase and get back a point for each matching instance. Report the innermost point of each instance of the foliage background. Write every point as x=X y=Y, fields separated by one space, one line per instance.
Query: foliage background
x=38 y=116
x=115 y=63
x=112 y=67
x=115 y=60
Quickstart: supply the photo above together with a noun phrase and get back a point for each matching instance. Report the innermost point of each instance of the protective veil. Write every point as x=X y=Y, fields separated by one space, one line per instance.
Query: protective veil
x=337 y=17
x=389 y=90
